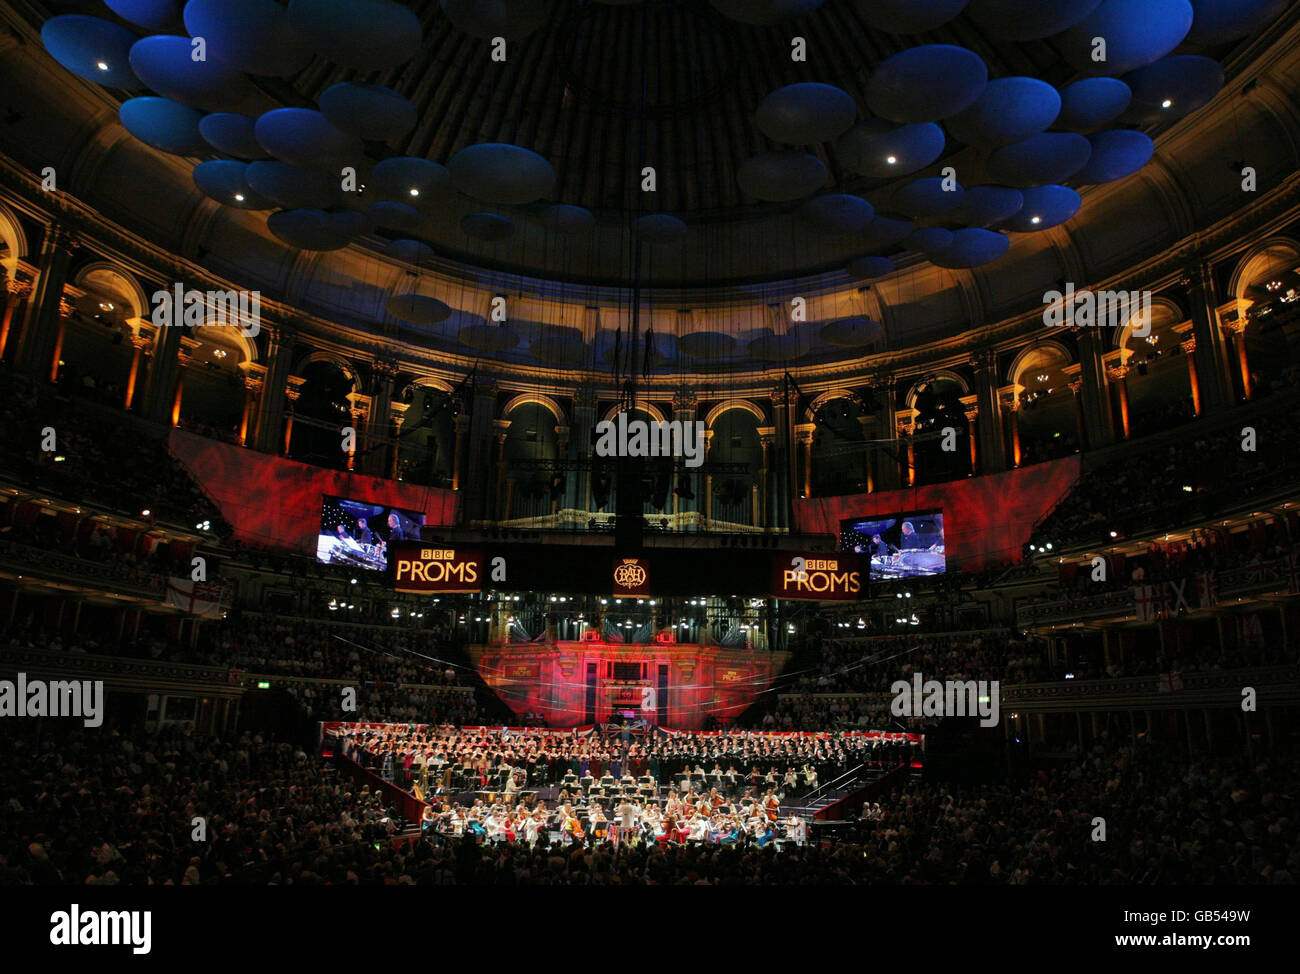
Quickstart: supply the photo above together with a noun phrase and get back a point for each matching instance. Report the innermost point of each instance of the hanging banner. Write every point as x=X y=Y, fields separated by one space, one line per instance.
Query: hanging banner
x=818 y=576
x=424 y=568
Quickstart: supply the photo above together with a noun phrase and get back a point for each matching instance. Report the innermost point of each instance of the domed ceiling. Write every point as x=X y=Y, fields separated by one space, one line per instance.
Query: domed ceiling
x=730 y=144
x=518 y=134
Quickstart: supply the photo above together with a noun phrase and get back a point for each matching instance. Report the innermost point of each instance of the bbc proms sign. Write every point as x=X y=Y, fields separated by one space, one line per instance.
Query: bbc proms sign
x=818 y=576
x=425 y=568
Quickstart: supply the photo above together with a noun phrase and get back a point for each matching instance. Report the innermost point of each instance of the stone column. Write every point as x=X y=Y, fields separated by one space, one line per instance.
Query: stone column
x=460 y=425
x=292 y=390
x=271 y=433
x=784 y=402
x=1080 y=424
x=140 y=345
x=379 y=434
x=685 y=403
x=578 y=483
x=804 y=434
x=480 y=499
x=766 y=437
x=1098 y=418
x=1119 y=377
x=1010 y=403
x=561 y=453
x=359 y=413
x=36 y=350
x=184 y=356
x=1189 y=352
x=991 y=452
x=905 y=425
x=970 y=406
x=1237 y=328
x=1211 y=354
x=396 y=416
x=500 y=430
x=17 y=290
x=254 y=382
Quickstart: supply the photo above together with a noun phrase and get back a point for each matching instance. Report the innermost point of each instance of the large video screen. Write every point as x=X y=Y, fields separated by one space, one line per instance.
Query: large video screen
x=358 y=533
x=900 y=545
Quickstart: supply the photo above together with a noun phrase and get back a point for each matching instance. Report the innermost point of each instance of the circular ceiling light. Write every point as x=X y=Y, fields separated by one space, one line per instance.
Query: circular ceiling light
x=880 y=149
x=1045 y=207
x=226 y=181
x=1172 y=88
x=982 y=206
x=82 y=44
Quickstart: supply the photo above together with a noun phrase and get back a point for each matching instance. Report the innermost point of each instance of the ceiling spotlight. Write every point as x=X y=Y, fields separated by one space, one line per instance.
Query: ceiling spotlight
x=239 y=197
x=1035 y=219
x=892 y=160
x=414 y=191
x=1167 y=103
x=102 y=65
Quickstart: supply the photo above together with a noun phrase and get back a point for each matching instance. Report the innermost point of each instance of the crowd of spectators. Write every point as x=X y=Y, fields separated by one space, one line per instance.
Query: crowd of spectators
x=94 y=461
x=101 y=809
x=1143 y=491
x=107 y=809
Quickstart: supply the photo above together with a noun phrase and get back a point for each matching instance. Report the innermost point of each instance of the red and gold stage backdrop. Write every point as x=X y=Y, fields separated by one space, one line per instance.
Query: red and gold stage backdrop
x=986 y=520
x=574 y=683
x=276 y=503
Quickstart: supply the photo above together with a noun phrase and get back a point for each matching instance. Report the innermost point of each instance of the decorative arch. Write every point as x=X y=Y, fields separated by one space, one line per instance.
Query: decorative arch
x=546 y=402
x=341 y=363
x=725 y=406
x=1047 y=352
x=126 y=282
x=825 y=397
x=428 y=382
x=1259 y=259
x=1164 y=311
x=653 y=411
x=231 y=335
x=11 y=233
x=945 y=374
